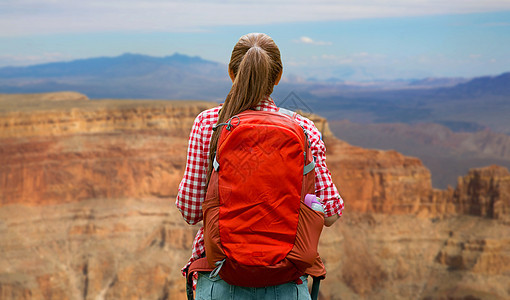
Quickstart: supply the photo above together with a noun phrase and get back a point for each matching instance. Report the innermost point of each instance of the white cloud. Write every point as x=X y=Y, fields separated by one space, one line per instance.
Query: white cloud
x=307 y=40
x=25 y=17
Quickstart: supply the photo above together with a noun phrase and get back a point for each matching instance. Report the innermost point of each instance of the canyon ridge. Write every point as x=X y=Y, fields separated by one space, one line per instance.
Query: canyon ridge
x=87 y=192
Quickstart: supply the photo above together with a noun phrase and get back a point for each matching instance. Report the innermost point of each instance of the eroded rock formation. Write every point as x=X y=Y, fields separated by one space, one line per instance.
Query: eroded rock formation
x=484 y=192
x=87 y=210
x=68 y=151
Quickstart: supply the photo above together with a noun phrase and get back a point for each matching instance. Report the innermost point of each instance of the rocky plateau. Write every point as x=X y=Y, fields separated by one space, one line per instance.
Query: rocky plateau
x=87 y=192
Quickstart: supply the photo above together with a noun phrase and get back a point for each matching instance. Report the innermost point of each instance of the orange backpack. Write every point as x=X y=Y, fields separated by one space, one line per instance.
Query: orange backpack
x=257 y=229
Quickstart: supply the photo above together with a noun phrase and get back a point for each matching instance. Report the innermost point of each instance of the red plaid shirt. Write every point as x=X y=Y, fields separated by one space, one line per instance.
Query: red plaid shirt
x=192 y=189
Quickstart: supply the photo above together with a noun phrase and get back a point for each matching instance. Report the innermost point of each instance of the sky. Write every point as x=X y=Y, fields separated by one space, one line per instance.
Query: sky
x=359 y=40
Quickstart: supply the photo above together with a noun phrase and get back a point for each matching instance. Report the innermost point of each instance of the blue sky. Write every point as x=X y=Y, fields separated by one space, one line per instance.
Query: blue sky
x=351 y=40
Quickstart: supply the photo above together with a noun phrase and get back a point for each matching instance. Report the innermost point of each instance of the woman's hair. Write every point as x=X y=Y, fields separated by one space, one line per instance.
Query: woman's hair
x=256 y=65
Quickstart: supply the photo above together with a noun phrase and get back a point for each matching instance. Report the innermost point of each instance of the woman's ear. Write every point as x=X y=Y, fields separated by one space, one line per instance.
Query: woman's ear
x=231 y=74
x=278 y=78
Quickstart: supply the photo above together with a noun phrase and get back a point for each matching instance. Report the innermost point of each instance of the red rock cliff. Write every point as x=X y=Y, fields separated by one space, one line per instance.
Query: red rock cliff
x=70 y=150
x=87 y=210
x=484 y=192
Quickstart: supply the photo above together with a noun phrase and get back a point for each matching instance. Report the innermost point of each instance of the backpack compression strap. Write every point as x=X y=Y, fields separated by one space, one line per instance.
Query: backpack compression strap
x=309 y=167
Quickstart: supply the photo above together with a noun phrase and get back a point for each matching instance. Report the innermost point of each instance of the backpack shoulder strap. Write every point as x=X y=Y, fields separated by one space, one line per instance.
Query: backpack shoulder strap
x=287 y=112
x=293 y=115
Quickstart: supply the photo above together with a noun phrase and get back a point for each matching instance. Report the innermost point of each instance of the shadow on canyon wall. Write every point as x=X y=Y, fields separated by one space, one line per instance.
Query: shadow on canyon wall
x=87 y=211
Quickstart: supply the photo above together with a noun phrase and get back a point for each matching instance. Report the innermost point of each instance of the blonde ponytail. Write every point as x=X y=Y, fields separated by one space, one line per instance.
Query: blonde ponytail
x=256 y=65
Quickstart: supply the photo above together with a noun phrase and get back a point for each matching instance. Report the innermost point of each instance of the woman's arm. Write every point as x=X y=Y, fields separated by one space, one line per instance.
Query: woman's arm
x=192 y=187
x=325 y=189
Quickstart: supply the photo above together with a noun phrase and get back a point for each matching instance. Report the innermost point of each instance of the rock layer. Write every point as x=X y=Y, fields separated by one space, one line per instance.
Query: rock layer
x=378 y=181
x=87 y=191
x=72 y=150
x=484 y=192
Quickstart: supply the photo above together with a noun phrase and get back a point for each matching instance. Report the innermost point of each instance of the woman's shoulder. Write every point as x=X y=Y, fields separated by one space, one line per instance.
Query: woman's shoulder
x=305 y=122
x=208 y=116
x=313 y=132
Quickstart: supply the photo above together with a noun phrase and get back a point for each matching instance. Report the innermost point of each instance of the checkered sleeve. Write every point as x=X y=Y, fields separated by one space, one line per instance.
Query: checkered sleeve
x=192 y=191
x=197 y=250
x=324 y=186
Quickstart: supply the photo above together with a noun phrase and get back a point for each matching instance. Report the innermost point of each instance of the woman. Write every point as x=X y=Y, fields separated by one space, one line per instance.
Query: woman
x=255 y=68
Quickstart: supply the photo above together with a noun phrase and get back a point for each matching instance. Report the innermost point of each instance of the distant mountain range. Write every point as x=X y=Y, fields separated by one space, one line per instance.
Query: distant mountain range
x=494 y=85
x=181 y=76
x=458 y=103
x=479 y=103
x=126 y=76
x=125 y=65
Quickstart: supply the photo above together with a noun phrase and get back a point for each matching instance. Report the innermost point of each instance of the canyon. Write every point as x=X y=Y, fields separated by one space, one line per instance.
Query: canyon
x=446 y=153
x=87 y=192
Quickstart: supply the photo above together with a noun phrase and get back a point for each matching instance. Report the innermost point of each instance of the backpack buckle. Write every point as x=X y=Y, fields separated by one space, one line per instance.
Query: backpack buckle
x=216 y=270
